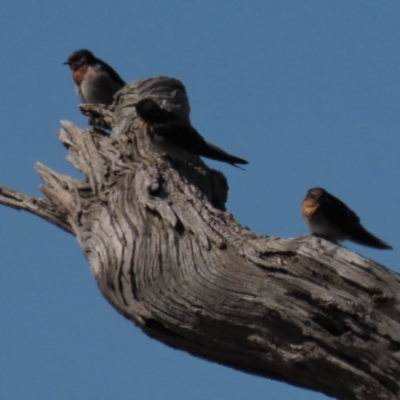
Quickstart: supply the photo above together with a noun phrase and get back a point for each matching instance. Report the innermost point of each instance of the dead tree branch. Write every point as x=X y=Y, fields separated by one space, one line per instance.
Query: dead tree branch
x=167 y=255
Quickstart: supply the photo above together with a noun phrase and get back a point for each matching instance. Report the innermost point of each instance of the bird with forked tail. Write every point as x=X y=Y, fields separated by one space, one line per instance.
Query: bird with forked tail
x=330 y=218
x=176 y=137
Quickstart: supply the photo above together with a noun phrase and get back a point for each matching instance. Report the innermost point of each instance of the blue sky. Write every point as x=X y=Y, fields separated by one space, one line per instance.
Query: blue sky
x=307 y=91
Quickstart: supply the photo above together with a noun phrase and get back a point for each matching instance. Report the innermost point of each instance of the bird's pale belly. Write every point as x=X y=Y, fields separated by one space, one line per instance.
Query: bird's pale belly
x=320 y=226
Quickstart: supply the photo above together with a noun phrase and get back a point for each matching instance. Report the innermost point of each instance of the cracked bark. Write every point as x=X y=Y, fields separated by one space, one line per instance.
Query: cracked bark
x=167 y=256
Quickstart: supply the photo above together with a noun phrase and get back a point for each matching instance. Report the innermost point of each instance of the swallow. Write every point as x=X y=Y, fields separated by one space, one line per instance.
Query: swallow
x=95 y=81
x=175 y=136
x=329 y=217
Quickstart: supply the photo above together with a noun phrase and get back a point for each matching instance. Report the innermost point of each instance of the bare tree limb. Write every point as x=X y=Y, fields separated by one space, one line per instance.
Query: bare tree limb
x=167 y=256
x=41 y=208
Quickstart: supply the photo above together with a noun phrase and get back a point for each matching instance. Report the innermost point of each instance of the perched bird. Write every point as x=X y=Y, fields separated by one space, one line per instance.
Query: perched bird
x=329 y=217
x=176 y=137
x=95 y=81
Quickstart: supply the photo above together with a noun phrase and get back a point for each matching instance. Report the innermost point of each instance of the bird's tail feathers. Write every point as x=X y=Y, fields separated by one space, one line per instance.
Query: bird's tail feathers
x=215 y=153
x=362 y=236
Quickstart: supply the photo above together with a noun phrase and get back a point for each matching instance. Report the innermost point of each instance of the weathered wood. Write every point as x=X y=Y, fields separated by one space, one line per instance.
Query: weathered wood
x=167 y=255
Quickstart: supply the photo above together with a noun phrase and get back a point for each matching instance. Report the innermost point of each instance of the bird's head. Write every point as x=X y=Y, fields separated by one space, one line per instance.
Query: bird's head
x=79 y=58
x=317 y=194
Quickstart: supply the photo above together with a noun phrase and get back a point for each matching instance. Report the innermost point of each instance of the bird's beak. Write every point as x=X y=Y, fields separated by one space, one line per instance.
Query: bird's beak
x=65 y=63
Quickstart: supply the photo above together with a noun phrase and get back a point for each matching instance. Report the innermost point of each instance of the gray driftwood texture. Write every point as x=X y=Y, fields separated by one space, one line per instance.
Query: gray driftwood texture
x=167 y=255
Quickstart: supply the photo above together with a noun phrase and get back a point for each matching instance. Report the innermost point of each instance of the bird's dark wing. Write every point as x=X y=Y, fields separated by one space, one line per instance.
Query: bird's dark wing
x=111 y=71
x=183 y=135
x=179 y=133
x=338 y=214
x=347 y=221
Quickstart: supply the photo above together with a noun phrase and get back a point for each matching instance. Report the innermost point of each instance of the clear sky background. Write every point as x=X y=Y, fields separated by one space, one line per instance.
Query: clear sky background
x=307 y=91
